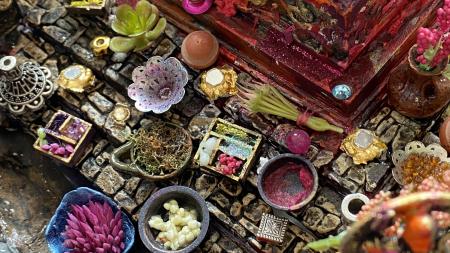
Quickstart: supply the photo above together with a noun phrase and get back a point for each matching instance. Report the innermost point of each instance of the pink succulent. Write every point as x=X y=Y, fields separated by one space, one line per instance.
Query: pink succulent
x=94 y=228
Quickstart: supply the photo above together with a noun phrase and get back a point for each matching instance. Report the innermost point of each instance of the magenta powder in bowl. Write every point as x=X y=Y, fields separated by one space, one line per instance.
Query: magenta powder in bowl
x=288 y=182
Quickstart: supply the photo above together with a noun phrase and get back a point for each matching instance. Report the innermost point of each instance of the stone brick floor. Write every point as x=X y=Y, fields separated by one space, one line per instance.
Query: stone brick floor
x=56 y=39
x=31 y=187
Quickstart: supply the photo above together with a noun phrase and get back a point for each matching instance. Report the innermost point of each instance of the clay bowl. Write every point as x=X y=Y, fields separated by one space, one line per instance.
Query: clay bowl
x=186 y=198
x=274 y=164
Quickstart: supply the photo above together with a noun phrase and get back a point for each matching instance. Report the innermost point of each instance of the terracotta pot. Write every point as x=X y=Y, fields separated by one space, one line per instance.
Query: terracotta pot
x=416 y=93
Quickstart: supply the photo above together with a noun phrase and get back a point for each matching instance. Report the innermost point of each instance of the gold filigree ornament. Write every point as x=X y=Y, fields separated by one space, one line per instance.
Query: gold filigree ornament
x=363 y=146
x=99 y=45
x=120 y=114
x=431 y=159
x=219 y=82
x=76 y=78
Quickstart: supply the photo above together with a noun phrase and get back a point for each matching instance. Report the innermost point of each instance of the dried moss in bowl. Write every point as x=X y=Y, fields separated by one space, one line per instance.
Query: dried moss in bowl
x=161 y=148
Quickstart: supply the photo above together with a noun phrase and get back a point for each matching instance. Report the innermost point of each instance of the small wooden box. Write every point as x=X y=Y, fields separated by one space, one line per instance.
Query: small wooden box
x=78 y=145
x=248 y=140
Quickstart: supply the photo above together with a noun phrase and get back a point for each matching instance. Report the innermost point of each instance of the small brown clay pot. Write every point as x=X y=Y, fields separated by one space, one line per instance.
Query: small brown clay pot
x=416 y=93
x=444 y=134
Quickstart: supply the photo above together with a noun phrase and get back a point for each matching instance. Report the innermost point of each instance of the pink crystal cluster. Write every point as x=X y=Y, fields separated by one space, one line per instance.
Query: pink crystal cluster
x=94 y=228
x=228 y=165
x=64 y=150
x=433 y=44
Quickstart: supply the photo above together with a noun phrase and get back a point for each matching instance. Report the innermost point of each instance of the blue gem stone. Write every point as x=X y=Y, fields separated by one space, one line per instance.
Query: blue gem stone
x=342 y=91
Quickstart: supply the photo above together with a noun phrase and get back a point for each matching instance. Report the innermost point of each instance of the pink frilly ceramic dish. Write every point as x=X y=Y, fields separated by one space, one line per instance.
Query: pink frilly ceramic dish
x=158 y=85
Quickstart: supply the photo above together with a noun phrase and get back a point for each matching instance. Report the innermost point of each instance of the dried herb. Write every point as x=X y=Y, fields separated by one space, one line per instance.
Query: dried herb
x=160 y=148
x=266 y=99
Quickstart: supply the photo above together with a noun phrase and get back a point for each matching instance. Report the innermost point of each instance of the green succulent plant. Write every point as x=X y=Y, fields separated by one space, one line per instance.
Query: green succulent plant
x=141 y=25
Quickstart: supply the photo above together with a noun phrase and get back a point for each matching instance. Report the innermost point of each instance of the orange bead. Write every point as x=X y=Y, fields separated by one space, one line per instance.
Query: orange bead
x=419 y=233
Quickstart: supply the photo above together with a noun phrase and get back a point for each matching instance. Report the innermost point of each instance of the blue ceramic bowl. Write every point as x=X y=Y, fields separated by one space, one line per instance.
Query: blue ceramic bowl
x=81 y=196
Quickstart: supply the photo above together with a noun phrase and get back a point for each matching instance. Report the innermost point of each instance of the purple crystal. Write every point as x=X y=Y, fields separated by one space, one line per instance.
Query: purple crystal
x=69 y=149
x=75 y=130
x=60 y=151
x=57 y=121
x=298 y=142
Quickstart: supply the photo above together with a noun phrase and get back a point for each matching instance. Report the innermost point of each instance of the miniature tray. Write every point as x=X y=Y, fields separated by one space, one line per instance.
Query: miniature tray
x=232 y=140
x=78 y=144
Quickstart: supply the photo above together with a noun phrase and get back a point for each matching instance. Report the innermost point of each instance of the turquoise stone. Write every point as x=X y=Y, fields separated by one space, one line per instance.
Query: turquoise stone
x=342 y=91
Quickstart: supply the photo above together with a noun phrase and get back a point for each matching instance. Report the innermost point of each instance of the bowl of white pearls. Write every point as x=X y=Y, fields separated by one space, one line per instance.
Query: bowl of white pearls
x=174 y=219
